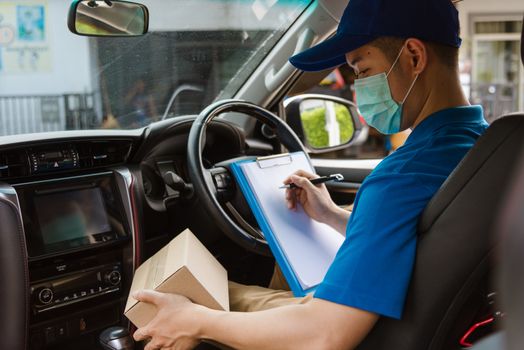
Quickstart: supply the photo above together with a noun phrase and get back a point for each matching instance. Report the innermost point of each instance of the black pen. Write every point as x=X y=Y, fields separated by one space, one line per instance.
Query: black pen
x=318 y=180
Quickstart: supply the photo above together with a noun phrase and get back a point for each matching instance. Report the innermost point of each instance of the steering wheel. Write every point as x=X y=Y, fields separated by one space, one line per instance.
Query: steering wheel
x=214 y=184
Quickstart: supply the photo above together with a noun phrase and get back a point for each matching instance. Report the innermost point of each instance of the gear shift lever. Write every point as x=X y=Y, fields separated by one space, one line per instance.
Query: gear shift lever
x=116 y=338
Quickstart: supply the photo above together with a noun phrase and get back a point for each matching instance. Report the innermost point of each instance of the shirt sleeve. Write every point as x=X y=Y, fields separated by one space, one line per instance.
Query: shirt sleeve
x=373 y=267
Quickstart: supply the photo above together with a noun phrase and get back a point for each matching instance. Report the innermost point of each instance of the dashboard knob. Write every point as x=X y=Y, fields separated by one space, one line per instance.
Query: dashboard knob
x=45 y=296
x=113 y=277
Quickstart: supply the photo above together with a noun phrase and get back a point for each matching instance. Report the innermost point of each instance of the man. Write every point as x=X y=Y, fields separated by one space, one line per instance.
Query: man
x=405 y=55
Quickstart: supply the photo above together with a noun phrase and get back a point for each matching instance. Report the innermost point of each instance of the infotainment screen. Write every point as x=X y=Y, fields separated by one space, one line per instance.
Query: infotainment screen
x=75 y=216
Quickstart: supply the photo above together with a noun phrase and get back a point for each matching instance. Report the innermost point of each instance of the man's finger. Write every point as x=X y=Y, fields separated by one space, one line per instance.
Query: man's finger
x=141 y=334
x=301 y=173
x=287 y=180
x=149 y=296
x=152 y=346
x=302 y=182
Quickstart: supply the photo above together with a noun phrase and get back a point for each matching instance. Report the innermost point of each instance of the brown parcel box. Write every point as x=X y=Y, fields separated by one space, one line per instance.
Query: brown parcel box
x=185 y=267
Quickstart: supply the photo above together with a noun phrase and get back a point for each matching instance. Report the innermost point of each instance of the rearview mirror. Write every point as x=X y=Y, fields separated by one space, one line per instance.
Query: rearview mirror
x=323 y=123
x=108 y=18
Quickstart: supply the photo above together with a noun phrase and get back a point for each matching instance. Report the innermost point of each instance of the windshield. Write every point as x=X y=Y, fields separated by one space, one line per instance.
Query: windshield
x=196 y=51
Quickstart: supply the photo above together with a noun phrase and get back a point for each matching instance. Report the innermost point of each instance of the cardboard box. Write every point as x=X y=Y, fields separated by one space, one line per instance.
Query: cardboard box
x=185 y=267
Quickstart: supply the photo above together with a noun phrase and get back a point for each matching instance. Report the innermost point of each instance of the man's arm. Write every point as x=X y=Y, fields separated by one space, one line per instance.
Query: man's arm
x=318 y=324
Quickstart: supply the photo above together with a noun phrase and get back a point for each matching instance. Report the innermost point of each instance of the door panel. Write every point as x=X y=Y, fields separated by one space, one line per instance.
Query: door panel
x=354 y=172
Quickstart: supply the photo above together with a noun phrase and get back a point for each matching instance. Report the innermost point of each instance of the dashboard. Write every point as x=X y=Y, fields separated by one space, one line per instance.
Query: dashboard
x=77 y=208
x=74 y=207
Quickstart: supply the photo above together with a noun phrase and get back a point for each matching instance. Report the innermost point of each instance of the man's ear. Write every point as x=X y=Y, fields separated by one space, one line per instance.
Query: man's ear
x=418 y=55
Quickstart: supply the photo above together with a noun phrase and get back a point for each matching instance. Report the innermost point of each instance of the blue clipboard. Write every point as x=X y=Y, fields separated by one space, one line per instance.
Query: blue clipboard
x=303 y=248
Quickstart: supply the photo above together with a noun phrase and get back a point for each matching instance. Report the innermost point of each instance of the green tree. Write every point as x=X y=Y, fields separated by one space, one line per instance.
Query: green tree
x=314 y=125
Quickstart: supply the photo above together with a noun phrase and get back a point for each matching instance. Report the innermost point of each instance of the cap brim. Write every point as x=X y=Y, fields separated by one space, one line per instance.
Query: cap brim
x=330 y=53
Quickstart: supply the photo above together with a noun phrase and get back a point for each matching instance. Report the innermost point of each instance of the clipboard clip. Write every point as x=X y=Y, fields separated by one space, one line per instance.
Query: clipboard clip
x=274 y=160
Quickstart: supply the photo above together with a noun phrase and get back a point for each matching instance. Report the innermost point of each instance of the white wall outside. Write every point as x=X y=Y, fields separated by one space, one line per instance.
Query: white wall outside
x=468 y=9
x=486 y=10
x=70 y=65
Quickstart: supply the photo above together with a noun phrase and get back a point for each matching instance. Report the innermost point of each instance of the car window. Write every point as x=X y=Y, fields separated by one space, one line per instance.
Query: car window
x=196 y=51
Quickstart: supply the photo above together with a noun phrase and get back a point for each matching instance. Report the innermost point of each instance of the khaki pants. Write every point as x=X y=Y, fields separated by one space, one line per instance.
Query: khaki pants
x=254 y=298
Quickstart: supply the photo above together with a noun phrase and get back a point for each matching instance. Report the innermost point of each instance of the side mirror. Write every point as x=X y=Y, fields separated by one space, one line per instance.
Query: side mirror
x=107 y=18
x=323 y=123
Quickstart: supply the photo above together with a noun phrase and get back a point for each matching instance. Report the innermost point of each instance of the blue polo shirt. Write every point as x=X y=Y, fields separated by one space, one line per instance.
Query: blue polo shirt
x=373 y=267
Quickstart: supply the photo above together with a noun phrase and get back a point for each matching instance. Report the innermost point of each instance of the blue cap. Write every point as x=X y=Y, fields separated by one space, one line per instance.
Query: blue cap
x=365 y=20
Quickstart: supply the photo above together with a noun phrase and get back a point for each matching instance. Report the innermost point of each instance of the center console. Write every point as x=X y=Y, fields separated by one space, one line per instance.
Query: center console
x=80 y=251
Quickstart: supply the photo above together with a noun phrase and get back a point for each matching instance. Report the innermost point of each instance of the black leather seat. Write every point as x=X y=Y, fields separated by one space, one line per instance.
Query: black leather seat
x=511 y=272
x=455 y=254
x=510 y=230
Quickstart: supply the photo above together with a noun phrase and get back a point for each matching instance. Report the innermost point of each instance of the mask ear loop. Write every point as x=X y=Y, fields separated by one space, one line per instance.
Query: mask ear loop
x=412 y=84
x=409 y=90
x=395 y=62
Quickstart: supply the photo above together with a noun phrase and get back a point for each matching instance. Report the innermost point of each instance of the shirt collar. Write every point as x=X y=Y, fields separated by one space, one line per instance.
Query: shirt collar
x=463 y=114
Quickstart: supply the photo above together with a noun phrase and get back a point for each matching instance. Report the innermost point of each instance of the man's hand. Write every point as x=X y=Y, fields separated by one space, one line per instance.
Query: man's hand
x=175 y=325
x=315 y=200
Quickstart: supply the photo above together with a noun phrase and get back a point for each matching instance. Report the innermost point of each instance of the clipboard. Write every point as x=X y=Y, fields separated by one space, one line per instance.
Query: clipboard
x=303 y=248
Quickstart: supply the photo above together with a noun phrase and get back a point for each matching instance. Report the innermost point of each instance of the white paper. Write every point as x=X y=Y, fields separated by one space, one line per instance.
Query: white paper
x=310 y=247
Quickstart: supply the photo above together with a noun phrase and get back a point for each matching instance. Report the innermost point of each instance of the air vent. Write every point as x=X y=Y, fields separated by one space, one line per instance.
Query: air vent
x=85 y=155
x=103 y=153
x=13 y=164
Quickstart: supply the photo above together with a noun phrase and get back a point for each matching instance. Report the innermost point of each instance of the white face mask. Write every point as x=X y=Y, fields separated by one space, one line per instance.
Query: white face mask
x=377 y=106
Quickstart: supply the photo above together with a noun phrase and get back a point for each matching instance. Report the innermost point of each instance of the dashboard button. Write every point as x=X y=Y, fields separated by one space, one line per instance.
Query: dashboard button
x=113 y=277
x=45 y=296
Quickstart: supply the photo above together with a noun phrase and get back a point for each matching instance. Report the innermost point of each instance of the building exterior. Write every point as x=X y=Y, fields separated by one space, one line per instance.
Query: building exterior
x=490 y=58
